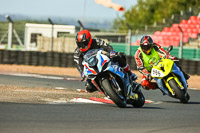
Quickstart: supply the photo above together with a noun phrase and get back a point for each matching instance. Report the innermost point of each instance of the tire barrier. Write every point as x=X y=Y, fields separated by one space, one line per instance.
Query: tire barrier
x=37 y=58
x=66 y=60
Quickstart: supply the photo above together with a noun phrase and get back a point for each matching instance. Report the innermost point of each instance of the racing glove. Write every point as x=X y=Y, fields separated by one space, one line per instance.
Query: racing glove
x=114 y=54
x=148 y=77
x=172 y=57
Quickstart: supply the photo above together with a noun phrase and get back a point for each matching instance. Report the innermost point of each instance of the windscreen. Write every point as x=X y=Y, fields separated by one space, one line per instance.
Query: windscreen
x=90 y=57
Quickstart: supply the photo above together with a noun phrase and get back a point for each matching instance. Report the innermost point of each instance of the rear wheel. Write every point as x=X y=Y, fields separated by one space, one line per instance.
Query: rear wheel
x=116 y=96
x=178 y=92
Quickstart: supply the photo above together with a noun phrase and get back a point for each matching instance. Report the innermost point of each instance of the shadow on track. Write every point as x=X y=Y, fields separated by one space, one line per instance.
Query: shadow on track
x=131 y=107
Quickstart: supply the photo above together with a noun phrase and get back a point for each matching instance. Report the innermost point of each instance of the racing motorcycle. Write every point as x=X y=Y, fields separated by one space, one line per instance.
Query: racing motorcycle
x=108 y=77
x=169 y=78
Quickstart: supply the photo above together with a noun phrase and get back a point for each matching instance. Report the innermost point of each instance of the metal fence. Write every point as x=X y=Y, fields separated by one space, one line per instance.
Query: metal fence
x=10 y=37
x=191 y=53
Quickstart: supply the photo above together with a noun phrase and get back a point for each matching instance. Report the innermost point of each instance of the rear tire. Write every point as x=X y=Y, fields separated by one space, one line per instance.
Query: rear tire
x=110 y=91
x=178 y=92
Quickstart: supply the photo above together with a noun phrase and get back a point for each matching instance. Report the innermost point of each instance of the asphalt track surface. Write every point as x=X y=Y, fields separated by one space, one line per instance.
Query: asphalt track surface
x=164 y=115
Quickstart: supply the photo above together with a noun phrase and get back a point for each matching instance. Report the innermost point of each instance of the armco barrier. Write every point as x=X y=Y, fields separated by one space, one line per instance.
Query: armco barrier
x=66 y=60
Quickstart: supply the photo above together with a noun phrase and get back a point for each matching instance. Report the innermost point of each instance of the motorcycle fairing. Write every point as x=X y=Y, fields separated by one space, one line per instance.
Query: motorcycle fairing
x=89 y=71
x=103 y=59
x=165 y=64
x=176 y=71
x=115 y=69
x=164 y=67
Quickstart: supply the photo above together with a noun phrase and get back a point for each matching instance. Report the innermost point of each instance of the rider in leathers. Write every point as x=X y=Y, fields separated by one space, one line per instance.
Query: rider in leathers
x=85 y=42
x=147 y=50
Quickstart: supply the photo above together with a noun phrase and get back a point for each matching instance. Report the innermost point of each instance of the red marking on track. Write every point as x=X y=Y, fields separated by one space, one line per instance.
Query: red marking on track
x=106 y=101
x=98 y=100
x=101 y=100
x=147 y=101
x=80 y=90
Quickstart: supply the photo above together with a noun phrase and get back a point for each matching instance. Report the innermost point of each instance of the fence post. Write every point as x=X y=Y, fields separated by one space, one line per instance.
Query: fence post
x=52 y=30
x=129 y=39
x=10 y=31
x=181 y=44
x=81 y=25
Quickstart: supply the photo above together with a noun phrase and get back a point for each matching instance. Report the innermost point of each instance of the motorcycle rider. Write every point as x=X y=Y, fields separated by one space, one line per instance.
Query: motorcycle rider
x=84 y=43
x=143 y=56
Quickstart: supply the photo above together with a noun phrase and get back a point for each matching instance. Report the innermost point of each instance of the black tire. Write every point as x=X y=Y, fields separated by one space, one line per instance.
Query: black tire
x=140 y=102
x=178 y=92
x=112 y=94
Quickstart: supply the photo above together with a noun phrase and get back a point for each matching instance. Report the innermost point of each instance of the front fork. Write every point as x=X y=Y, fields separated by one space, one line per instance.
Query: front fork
x=96 y=85
x=115 y=82
x=131 y=87
x=166 y=80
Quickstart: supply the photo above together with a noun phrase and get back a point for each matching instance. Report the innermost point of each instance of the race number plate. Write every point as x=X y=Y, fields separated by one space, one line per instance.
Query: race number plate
x=157 y=73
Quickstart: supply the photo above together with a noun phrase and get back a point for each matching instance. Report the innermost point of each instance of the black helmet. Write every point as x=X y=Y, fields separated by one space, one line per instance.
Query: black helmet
x=146 y=44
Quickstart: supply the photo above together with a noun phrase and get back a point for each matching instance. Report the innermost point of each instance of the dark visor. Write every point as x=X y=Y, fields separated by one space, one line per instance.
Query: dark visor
x=146 y=47
x=83 y=44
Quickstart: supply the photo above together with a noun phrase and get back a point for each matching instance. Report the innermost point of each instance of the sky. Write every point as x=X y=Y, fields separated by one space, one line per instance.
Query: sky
x=78 y=9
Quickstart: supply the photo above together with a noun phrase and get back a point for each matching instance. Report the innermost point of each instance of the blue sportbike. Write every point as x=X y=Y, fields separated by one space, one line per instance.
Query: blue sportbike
x=108 y=77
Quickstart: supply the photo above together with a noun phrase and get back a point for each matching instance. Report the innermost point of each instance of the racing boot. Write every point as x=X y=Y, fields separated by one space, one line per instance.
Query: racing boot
x=186 y=75
x=134 y=96
x=130 y=94
x=128 y=70
x=187 y=96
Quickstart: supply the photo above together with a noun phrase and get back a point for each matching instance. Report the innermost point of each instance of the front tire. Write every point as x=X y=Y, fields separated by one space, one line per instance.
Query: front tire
x=178 y=92
x=140 y=101
x=120 y=101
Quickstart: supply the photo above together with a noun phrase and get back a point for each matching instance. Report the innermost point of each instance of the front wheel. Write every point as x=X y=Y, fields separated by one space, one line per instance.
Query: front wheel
x=140 y=101
x=178 y=92
x=117 y=97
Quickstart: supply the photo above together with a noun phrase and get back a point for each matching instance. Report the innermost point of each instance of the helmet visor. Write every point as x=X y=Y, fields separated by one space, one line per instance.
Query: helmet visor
x=83 y=44
x=146 y=47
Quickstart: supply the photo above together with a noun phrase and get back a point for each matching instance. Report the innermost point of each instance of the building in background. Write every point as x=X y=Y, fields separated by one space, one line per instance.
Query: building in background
x=33 y=32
